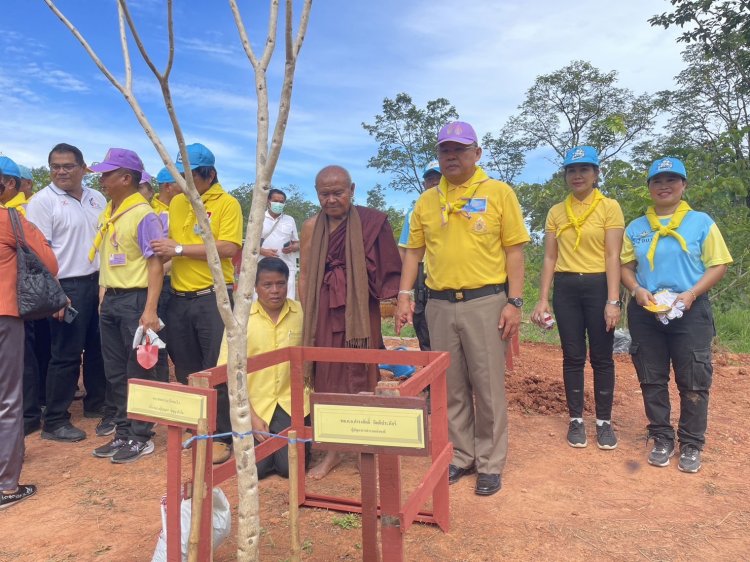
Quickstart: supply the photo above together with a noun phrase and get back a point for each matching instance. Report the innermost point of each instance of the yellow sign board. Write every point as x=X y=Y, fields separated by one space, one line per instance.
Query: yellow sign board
x=170 y=405
x=369 y=425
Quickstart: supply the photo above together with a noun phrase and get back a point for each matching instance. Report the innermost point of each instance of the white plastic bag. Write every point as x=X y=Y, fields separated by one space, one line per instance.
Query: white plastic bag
x=221 y=522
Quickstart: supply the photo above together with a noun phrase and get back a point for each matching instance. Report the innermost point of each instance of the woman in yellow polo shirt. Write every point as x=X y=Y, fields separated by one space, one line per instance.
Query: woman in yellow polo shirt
x=582 y=242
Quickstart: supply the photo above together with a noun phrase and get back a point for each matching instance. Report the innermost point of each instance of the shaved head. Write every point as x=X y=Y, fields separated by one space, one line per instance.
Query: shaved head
x=335 y=190
x=338 y=172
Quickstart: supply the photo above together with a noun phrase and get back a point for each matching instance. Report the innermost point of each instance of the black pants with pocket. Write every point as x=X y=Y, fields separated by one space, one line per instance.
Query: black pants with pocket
x=119 y=319
x=578 y=301
x=278 y=462
x=195 y=333
x=686 y=344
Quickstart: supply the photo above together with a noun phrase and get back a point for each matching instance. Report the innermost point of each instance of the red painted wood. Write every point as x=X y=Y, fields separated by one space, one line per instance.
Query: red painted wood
x=391 y=531
x=369 y=508
x=434 y=477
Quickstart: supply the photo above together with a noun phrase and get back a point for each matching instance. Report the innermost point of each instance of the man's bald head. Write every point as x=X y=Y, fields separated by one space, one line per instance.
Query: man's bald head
x=335 y=190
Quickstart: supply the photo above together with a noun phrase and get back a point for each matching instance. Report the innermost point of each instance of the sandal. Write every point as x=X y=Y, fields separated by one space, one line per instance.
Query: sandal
x=21 y=493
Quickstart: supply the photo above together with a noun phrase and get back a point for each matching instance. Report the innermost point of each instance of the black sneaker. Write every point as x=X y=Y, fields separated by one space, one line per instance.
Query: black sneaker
x=22 y=492
x=66 y=433
x=132 y=451
x=690 y=458
x=109 y=449
x=605 y=436
x=661 y=453
x=106 y=426
x=577 y=434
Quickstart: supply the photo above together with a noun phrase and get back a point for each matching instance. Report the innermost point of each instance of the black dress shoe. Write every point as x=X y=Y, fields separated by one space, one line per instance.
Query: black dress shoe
x=66 y=433
x=488 y=484
x=455 y=473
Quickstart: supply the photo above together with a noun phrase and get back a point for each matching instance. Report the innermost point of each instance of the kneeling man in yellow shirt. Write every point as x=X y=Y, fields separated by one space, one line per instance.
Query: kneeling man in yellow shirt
x=275 y=321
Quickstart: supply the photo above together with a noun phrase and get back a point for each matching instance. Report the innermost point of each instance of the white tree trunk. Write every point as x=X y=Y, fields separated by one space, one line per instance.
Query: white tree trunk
x=235 y=321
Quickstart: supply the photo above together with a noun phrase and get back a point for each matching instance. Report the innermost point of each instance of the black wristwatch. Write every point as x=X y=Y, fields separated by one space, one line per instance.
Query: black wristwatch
x=516 y=301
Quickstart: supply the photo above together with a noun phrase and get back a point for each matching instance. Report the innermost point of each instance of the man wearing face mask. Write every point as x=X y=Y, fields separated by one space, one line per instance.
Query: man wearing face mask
x=280 y=238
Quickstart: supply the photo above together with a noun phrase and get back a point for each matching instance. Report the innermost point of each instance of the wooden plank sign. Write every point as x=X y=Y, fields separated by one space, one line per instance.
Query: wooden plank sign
x=367 y=423
x=171 y=405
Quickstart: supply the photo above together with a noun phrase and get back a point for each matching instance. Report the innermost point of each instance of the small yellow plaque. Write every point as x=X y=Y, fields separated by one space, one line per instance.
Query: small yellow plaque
x=369 y=425
x=170 y=405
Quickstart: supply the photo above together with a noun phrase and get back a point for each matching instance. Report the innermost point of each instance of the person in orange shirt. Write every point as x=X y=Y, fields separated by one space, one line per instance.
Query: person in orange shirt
x=11 y=361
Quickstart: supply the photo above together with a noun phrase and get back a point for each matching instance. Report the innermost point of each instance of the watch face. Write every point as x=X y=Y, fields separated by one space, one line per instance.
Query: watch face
x=517 y=302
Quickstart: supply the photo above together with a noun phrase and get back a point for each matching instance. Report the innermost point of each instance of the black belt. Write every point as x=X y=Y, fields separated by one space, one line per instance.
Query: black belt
x=462 y=295
x=571 y=273
x=89 y=277
x=114 y=291
x=194 y=294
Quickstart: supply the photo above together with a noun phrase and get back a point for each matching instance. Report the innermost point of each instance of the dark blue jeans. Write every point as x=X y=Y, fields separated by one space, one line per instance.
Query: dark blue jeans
x=68 y=342
x=578 y=301
x=686 y=344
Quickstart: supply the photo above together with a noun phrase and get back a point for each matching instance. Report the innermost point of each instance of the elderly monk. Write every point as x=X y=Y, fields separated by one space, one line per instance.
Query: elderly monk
x=348 y=261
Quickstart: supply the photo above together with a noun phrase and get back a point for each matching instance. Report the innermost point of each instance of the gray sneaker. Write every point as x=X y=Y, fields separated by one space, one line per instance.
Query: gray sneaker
x=605 y=436
x=132 y=451
x=690 y=458
x=577 y=434
x=661 y=453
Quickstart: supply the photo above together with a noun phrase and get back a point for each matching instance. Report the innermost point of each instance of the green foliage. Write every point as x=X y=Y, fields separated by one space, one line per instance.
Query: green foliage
x=406 y=137
x=577 y=104
x=732 y=329
x=40 y=177
x=348 y=521
x=376 y=200
x=388 y=330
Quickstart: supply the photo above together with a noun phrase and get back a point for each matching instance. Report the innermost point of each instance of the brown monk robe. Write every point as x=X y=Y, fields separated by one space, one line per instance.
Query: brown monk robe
x=348 y=261
x=380 y=262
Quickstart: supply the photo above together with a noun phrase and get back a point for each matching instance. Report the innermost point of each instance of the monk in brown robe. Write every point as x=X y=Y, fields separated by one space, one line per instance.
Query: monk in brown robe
x=348 y=262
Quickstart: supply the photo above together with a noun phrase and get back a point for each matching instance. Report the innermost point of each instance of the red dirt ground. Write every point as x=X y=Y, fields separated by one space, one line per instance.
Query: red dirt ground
x=557 y=503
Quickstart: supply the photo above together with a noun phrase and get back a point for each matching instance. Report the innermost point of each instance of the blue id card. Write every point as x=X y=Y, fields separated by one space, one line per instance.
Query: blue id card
x=476 y=205
x=117 y=260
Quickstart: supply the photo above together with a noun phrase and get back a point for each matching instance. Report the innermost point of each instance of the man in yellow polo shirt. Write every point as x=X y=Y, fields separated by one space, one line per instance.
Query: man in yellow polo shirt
x=195 y=326
x=130 y=280
x=275 y=321
x=471 y=230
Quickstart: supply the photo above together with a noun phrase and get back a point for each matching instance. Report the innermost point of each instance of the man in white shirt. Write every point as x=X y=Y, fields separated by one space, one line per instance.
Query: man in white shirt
x=280 y=238
x=67 y=213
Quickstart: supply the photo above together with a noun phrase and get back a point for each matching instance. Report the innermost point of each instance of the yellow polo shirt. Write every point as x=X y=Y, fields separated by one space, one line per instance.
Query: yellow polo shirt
x=18 y=203
x=271 y=386
x=467 y=252
x=122 y=264
x=159 y=206
x=225 y=216
x=589 y=257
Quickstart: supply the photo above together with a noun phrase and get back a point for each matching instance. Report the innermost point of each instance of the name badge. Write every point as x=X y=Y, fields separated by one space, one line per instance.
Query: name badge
x=476 y=205
x=116 y=260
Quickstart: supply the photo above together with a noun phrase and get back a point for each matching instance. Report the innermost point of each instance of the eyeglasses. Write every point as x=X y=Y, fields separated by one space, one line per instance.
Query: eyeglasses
x=63 y=167
x=445 y=151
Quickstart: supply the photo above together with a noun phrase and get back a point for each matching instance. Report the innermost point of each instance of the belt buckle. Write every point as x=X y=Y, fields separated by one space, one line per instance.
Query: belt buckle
x=458 y=295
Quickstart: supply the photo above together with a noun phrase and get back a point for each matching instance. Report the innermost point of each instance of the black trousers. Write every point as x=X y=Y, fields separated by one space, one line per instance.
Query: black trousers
x=420 y=303
x=120 y=317
x=578 y=301
x=36 y=355
x=278 y=462
x=686 y=344
x=195 y=333
x=68 y=342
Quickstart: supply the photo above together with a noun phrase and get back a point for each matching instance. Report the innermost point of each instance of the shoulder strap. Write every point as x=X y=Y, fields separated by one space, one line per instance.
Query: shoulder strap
x=17 y=228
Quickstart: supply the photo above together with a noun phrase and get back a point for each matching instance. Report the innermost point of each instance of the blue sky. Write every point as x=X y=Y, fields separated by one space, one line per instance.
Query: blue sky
x=481 y=55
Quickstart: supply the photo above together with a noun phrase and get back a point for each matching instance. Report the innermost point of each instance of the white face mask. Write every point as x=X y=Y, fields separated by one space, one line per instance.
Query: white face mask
x=276 y=207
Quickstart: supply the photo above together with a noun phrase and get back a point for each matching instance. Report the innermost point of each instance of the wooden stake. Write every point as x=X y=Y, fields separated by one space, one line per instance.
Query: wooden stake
x=293 y=496
x=198 y=492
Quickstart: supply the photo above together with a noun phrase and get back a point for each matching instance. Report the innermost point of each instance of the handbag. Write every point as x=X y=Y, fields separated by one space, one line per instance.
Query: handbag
x=39 y=294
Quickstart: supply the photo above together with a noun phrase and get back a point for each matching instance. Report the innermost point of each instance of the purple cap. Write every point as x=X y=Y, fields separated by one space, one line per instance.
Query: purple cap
x=145 y=177
x=457 y=131
x=117 y=158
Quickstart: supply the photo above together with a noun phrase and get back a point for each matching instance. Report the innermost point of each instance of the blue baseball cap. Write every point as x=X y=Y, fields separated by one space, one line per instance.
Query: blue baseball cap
x=433 y=166
x=668 y=164
x=8 y=167
x=25 y=172
x=581 y=155
x=199 y=156
x=164 y=176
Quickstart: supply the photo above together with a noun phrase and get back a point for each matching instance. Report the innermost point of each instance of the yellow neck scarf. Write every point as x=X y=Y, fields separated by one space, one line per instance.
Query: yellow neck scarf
x=213 y=192
x=577 y=222
x=472 y=185
x=669 y=230
x=108 y=220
